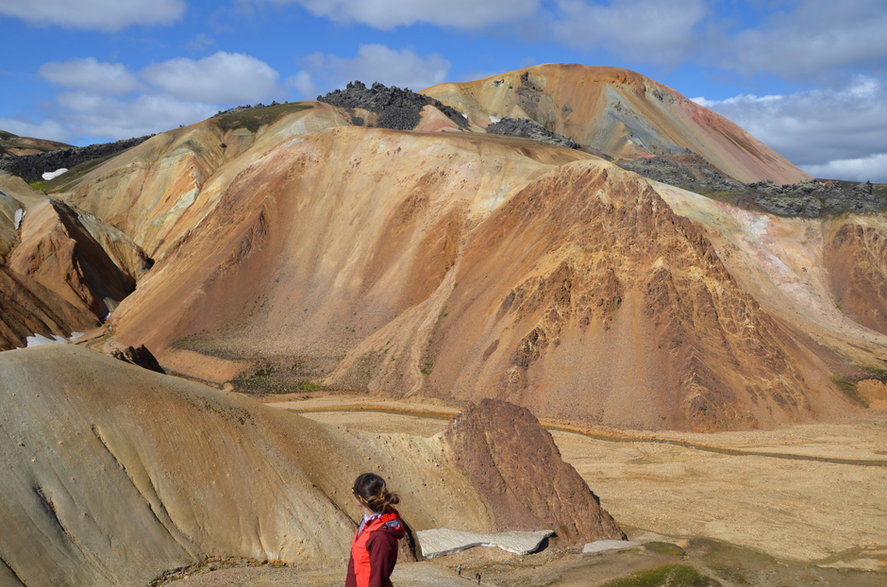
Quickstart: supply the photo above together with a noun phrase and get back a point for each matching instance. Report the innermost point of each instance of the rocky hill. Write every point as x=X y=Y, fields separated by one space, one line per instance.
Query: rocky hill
x=530 y=129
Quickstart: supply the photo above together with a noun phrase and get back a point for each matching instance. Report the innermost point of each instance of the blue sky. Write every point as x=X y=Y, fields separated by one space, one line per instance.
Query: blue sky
x=808 y=77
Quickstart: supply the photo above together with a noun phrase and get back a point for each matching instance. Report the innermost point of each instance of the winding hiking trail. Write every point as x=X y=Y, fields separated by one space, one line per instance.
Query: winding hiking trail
x=611 y=437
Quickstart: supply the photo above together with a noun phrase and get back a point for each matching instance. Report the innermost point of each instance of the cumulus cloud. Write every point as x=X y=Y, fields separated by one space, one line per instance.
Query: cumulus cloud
x=102 y=116
x=222 y=77
x=647 y=30
x=103 y=78
x=373 y=63
x=99 y=15
x=388 y=14
x=871 y=168
x=816 y=36
x=823 y=130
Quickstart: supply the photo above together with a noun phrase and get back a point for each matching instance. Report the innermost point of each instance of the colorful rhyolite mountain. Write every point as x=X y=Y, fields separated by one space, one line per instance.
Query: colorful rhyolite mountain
x=620 y=113
x=466 y=265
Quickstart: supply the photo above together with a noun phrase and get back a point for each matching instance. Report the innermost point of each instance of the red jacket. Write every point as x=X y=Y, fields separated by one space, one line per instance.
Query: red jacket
x=374 y=551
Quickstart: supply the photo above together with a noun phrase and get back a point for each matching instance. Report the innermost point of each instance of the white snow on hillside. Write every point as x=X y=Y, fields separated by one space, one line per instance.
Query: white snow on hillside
x=54 y=174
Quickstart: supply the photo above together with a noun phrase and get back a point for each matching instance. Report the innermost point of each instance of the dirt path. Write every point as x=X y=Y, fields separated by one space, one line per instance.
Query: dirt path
x=611 y=437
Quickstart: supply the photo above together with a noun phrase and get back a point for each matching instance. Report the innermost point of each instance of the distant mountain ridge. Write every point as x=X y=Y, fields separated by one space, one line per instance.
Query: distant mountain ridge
x=32 y=166
x=15 y=146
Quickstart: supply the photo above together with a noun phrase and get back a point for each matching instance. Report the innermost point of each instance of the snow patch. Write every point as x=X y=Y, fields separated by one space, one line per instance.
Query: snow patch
x=445 y=541
x=39 y=339
x=54 y=174
x=19 y=216
x=494 y=119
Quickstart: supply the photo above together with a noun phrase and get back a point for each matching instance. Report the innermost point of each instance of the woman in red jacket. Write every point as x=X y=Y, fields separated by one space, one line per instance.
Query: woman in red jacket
x=374 y=548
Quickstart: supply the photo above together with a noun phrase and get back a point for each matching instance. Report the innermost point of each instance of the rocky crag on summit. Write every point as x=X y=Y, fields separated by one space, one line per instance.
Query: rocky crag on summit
x=394 y=107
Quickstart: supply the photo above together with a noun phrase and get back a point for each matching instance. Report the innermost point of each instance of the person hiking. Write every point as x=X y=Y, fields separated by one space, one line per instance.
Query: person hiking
x=374 y=548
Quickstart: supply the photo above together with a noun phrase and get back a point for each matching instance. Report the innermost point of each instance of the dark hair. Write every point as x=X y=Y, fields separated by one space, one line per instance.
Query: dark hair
x=370 y=489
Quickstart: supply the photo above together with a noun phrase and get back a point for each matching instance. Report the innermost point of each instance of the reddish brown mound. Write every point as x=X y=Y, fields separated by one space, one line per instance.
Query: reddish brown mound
x=515 y=466
x=624 y=315
x=27 y=308
x=59 y=250
x=855 y=254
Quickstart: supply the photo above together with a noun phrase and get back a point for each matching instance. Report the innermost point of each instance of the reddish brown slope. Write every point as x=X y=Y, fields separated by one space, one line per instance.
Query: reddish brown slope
x=621 y=315
x=855 y=252
x=28 y=308
x=502 y=449
x=618 y=112
x=336 y=229
x=60 y=253
x=61 y=270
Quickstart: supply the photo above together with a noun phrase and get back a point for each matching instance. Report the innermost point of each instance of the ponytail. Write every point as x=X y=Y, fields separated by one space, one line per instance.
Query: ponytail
x=371 y=490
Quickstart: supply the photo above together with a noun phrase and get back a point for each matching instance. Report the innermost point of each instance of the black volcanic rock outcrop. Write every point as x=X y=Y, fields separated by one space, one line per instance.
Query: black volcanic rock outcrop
x=517 y=468
x=32 y=167
x=811 y=198
x=397 y=108
x=139 y=356
x=814 y=198
x=530 y=129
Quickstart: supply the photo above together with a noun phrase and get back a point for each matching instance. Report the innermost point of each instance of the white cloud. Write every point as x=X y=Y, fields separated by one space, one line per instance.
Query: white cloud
x=826 y=129
x=100 y=15
x=814 y=38
x=102 y=78
x=102 y=116
x=107 y=100
x=373 y=63
x=46 y=129
x=222 y=77
x=303 y=84
x=647 y=30
x=388 y=14
x=871 y=168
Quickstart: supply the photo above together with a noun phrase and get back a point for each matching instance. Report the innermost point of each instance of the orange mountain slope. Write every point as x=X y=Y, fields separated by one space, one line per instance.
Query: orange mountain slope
x=620 y=113
x=467 y=266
